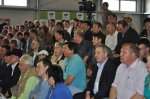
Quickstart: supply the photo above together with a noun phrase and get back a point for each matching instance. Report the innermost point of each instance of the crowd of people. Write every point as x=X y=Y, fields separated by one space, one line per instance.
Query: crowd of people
x=76 y=60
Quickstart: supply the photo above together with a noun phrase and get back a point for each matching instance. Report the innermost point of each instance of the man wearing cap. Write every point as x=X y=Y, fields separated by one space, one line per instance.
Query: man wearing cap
x=12 y=74
x=128 y=19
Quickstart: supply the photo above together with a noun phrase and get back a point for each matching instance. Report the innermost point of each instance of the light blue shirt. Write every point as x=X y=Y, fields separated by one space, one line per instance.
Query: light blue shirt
x=40 y=91
x=100 y=69
x=76 y=68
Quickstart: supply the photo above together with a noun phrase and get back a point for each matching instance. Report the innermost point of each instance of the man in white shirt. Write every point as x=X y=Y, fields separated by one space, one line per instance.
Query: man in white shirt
x=130 y=75
x=111 y=39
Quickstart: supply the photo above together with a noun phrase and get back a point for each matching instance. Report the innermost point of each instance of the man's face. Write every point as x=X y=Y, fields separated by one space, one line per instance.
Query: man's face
x=67 y=51
x=96 y=28
x=76 y=38
x=100 y=55
x=143 y=50
x=121 y=29
x=41 y=69
x=96 y=41
x=22 y=66
x=147 y=26
x=57 y=36
x=110 y=28
x=125 y=55
x=111 y=19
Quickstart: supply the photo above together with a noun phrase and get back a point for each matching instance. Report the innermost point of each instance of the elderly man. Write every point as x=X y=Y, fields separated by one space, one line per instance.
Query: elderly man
x=74 y=72
x=28 y=79
x=103 y=75
x=130 y=75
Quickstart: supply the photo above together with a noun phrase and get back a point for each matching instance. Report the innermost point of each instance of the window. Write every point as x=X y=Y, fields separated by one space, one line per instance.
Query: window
x=128 y=6
x=15 y=2
x=0 y=2
x=122 y=5
x=113 y=4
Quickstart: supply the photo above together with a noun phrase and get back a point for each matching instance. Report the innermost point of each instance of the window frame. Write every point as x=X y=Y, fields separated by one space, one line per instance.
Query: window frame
x=119 y=10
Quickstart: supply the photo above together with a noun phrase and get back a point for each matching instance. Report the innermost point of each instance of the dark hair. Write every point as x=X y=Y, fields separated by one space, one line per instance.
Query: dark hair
x=53 y=20
x=33 y=30
x=60 y=24
x=46 y=62
x=113 y=15
x=123 y=23
x=19 y=33
x=105 y=4
x=56 y=72
x=60 y=32
x=98 y=23
x=72 y=46
x=45 y=28
x=146 y=20
x=88 y=23
x=144 y=41
x=6 y=47
x=100 y=36
x=26 y=33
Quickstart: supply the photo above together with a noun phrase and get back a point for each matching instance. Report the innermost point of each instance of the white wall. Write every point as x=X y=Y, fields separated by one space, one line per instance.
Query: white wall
x=17 y=17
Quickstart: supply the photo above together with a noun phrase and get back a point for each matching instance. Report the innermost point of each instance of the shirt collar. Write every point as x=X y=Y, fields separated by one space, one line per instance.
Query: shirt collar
x=101 y=65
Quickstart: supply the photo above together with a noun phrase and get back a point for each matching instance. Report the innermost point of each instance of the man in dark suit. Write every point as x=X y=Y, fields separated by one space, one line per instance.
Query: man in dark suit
x=102 y=76
x=12 y=73
x=126 y=35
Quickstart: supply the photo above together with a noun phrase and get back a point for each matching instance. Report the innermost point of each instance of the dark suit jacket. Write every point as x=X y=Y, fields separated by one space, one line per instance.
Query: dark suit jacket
x=106 y=79
x=10 y=80
x=131 y=36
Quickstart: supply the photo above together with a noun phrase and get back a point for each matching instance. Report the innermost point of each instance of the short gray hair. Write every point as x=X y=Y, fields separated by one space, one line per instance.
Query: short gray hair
x=28 y=60
x=107 y=50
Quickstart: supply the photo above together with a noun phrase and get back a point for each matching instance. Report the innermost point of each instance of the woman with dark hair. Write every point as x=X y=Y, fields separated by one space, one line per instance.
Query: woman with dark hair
x=58 y=89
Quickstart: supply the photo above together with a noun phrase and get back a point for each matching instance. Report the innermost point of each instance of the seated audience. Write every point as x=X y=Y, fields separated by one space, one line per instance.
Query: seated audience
x=58 y=89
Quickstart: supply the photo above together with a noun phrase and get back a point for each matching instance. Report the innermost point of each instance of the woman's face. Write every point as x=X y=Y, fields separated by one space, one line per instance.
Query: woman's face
x=58 y=50
x=148 y=63
x=51 y=81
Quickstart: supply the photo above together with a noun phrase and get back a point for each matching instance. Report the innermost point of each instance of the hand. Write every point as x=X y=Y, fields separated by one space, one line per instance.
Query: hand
x=87 y=95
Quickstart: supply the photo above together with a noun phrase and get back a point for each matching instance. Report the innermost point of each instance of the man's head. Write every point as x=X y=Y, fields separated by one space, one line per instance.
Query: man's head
x=78 y=36
x=97 y=26
x=25 y=63
x=111 y=28
x=143 y=44
x=42 y=66
x=122 y=26
x=105 y=6
x=59 y=35
x=129 y=53
x=102 y=53
x=86 y=25
x=112 y=18
x=15 y=54
x=69 y=48
x=98 y=39
x=33 y=33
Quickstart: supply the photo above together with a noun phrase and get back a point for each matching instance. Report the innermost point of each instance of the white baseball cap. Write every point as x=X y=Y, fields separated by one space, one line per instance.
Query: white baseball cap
x=43 y=52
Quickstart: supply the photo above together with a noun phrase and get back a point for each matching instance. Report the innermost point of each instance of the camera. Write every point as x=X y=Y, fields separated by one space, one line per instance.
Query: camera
x=87 y=6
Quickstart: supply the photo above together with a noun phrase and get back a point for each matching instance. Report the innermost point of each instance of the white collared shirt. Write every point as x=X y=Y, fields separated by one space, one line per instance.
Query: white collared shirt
x=99 y=72
x=129 y=81
x=13 y=67
x=112 y=40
